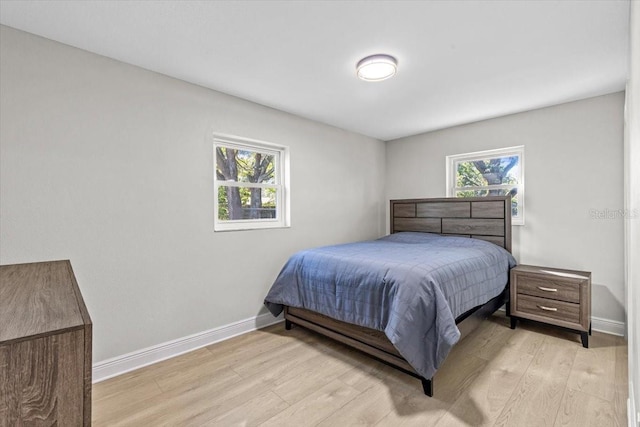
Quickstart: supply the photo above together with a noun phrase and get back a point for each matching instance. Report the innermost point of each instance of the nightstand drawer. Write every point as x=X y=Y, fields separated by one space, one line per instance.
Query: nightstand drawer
x=548 y=308
x=549 y=288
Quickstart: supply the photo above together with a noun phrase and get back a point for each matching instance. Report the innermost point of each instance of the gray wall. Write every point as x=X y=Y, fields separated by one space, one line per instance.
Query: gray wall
x=573 y=165
x=111 y=166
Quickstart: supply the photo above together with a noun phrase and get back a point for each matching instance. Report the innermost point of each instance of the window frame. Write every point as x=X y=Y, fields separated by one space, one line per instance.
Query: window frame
x=281 y=185
x=451 y=175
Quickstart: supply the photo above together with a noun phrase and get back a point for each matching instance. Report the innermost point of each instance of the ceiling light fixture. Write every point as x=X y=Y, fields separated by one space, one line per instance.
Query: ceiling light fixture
x=376 y=68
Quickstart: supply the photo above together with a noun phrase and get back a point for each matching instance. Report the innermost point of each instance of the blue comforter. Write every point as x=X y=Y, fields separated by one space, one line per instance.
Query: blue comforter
x=412 y=286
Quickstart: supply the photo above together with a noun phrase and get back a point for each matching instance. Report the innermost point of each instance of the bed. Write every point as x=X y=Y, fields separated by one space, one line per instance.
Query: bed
x=406 y=298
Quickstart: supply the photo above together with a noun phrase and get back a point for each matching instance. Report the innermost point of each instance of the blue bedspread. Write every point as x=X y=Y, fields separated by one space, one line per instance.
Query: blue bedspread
x=412 y=286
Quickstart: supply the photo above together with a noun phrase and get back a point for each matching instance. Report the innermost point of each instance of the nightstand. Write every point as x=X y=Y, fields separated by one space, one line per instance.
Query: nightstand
x=554 y=296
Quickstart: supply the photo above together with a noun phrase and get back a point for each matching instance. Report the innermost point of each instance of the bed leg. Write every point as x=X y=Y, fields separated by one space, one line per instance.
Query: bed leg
x=427 y=386
x=287 y=325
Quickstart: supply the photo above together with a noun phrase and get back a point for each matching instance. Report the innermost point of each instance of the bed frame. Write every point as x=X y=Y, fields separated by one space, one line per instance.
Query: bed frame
x=485 y=218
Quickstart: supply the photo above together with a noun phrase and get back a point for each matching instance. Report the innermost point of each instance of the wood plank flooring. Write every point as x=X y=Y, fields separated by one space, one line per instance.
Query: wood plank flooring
x=533 y=376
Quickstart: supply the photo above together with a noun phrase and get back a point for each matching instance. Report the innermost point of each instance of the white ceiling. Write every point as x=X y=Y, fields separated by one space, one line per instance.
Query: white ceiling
x=459 y=61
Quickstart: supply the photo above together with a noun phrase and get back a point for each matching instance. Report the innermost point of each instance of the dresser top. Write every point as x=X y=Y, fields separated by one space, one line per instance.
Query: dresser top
x=39 y=299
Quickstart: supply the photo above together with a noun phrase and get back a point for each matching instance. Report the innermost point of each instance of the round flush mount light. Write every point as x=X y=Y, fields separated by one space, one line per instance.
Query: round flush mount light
x=376 y=68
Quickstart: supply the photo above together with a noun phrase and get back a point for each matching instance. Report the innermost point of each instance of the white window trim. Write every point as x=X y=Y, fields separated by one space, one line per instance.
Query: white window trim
x=451 y=172
x=283 y=211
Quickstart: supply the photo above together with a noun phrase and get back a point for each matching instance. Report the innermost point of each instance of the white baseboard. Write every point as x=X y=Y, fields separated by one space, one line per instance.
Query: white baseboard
x=607 y=326
x=128 y=362
x=147 y=356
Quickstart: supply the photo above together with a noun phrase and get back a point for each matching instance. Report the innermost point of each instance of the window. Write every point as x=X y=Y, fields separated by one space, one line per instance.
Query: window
x=489 y=173
x=250 y=183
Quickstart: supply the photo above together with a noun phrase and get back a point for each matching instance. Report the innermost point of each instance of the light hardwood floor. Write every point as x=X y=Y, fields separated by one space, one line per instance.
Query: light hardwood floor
x=532 y=376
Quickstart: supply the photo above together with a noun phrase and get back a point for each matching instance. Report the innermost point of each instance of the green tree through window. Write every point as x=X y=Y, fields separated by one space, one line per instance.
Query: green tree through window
x=239 y=202
x=249 y=184
x=489 y=173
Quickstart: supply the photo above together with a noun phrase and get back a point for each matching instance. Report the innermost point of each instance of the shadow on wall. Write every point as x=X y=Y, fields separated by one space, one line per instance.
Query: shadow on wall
x=608 y=307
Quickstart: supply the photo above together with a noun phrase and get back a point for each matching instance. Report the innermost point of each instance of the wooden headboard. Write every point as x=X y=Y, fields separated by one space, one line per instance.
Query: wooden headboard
x=486 y=218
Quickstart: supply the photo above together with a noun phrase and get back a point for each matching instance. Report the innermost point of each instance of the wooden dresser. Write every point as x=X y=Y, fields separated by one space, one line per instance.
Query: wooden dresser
x=45 y=347
x=554 y=296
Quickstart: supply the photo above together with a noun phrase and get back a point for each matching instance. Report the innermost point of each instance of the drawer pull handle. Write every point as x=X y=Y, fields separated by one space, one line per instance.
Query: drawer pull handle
x=542 y=288
x=542 y=307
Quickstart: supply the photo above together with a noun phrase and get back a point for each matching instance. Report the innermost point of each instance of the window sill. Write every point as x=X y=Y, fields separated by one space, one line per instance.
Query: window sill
x=248 y=227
